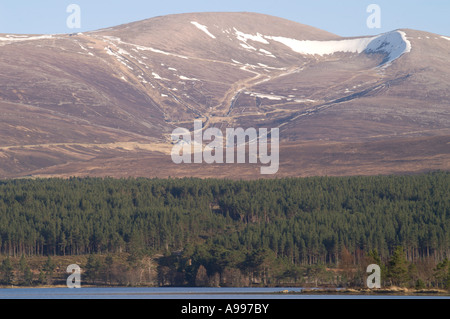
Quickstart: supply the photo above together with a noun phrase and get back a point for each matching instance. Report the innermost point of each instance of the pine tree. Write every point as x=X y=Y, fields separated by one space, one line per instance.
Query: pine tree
x=27 y=279
x=92 y=268
x=398 y=268
x=442 y=274
x=7 y=271
x=42 y=279
x=49 y=268
x=108 y=269
x=26 y=274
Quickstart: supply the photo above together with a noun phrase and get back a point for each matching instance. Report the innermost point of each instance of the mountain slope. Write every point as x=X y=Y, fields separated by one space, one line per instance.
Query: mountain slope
x=105 y=102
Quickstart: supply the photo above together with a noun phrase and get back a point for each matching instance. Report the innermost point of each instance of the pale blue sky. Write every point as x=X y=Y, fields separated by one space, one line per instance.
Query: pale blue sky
x=345 y=17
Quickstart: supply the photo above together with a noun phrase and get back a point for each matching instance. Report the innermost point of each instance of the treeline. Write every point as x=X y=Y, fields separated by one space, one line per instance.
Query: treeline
x=214 y=266
x=303 y=221
x=96 y=270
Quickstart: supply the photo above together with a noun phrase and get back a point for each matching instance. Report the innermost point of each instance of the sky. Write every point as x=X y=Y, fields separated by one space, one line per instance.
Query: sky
x=344 y=18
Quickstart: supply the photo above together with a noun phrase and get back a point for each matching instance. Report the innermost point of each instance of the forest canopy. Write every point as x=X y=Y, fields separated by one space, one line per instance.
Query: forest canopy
x=301 y=220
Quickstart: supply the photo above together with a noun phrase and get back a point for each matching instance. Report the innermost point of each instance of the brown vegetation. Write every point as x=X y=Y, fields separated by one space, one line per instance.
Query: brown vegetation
x=104 y=103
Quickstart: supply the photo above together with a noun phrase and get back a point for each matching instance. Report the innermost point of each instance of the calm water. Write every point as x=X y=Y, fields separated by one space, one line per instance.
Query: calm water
x=177 y=293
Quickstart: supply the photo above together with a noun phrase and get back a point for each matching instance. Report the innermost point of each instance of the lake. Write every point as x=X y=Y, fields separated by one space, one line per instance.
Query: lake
x=180 y=293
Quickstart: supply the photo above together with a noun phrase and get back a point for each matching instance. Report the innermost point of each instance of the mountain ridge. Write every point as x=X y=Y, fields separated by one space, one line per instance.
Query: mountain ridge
x=116 y=94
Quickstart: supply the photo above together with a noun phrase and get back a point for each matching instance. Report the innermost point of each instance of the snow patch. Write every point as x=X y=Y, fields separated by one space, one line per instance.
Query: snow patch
x=124 y=52
x=310 y=47
x=394 y=44
x=119 y=58
x=266 y=96
x=248 y=47
x=144 y=48
x=21 y=38
x=187 y=79
x=446 y=38
x=203 y=28
x=244 y=38
x=267 y=53
x=241 y=36
x=109 y=51
x=143 y=80
x=84 y=49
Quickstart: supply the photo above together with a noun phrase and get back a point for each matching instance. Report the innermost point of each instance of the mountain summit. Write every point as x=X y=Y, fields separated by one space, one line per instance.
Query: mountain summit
x=104 y=103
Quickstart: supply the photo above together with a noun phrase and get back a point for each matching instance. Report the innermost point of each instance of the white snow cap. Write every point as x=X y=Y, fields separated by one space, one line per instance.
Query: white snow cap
x=393 y=43
x=310 y=47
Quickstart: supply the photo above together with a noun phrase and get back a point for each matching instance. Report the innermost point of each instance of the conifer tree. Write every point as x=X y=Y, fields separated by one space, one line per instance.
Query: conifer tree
x=7 y=271
x=442 y=274
x=398 y=268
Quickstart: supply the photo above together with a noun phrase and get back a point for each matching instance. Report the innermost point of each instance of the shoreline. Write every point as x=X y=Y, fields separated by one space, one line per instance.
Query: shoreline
x=381 y=291
x=392 y=291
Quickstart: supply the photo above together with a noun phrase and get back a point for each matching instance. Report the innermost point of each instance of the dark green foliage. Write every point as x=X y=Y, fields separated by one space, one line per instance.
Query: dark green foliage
x=48 y=269
x=419 y=284
x=398 y=268
x=442 y=274
x=26 y=276
x=92 y=269
x=7 y=271
x=223 y=224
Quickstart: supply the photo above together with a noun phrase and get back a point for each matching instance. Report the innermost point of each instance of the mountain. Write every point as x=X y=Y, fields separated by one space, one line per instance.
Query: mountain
x=104 y=103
